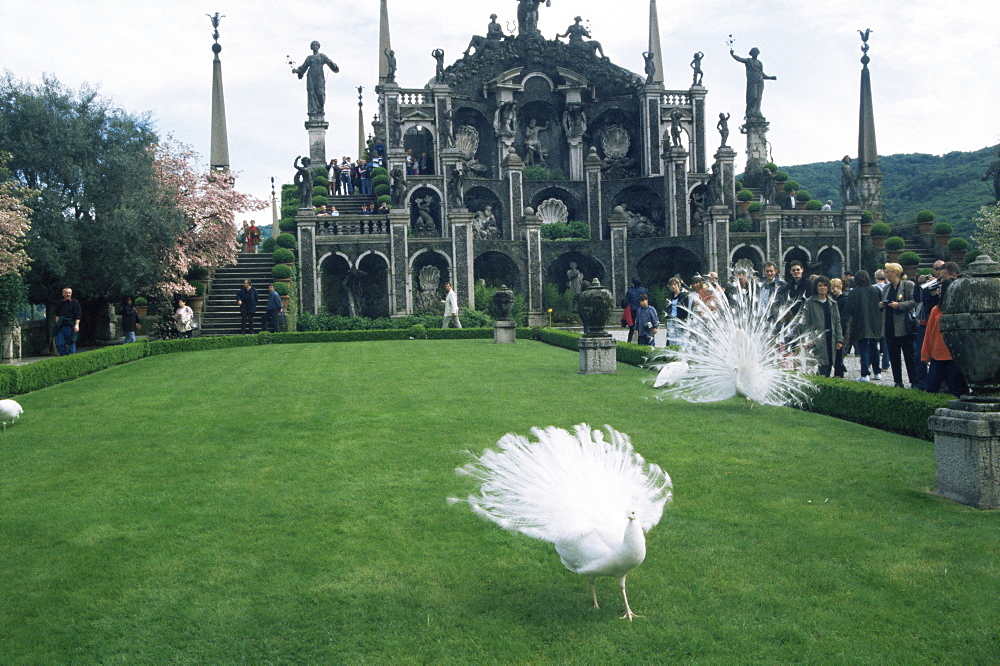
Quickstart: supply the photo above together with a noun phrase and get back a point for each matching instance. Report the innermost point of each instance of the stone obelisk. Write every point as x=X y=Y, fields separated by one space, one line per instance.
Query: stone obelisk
x=654 y=43
x=219 y=154
x=869 y=173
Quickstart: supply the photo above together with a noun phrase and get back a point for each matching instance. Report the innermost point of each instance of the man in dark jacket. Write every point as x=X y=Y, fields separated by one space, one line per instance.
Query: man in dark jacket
x=272 y=323
x=246 y=298
x=67 y=327
x=795 y=292
x=129 y=320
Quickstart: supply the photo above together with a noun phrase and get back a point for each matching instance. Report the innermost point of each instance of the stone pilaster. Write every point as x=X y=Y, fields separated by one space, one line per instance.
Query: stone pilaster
x=651 y=130
x=852 y=238
x=462 y=258
x=454 y=196
x=726 y=156
x=675 y=190
x=770 y=224
x=618 y=280
x=512 y=172
x=317 y=140
x=756 y=130
x=717 y=239
x=533 y=237
x=305 y=223
x=399 y=238
x=698 y=139
x=592 y=168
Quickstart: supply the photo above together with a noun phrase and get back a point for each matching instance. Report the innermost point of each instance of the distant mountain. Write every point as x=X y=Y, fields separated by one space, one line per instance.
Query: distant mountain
x=949 y=185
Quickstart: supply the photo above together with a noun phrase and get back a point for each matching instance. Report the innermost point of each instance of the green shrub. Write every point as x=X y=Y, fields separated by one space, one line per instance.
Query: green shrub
x=772 y=166
x=541 y=173
x=197 y=273
x=741 y=225
x=790 y=186
x=384 y=199
x=290 y=210
x=781 y=176
x=880 y=229
x=40 y=374
x=755 y=207
x=883 y=407
x=893 y=243
x=573 y=230
x=379 y=171
x=283 y=256
x=738 y=185
x=867 y=217
x=320 y=200
x=484 y=301
x=286 y=240
x=379 y=180
x=814 y=204
x=282 y=288
x=320 y=180
x=382 y=190
x=744 y=195
x=199 y=287
x=417 y=332
x=320 y=190
x=268 y=245
x=924 y=271
x=909 y=258
x=803 y=196
x=942 y=229
x=287 y=224
x=140 y=301
x=282 y=271
x=957 y=244
x=925 y=216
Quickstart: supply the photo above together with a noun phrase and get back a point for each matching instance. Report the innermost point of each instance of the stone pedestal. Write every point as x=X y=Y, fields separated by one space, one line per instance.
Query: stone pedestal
x=317 y=128
x=967 y=453
x=598 y=355
x=305 y=223
x=504 y=332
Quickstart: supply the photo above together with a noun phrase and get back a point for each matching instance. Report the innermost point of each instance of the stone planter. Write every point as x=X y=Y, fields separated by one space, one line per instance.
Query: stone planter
x=594 y=306
x=197 y=303
x=926 y=227
x=503 y=300
x=141 y=310
x=800 y=205
x=942 y=240
x=893 y=255
x=878 y=242
x=866 y=227
x=742 y=206
x=287 y=281
x=911 y=269
x=958 y=256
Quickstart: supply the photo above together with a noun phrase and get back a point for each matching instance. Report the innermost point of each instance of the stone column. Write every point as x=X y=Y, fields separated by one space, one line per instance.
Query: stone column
x=454 y=199
x=592 y=168
x=618 y=280
x=401 y=298
x=462 y=259
x=717 y=239
x=675 y=190
x=305 y=223
x=317 y=127
x=852 y=238
x=533 y=237
x=651 y=129
x=756 y=131
x=770 y=224
x=726 y=156
x=512 y=172
x=698 y=139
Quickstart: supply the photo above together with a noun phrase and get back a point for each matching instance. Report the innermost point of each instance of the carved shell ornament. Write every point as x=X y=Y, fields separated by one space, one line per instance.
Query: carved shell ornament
x=615 y=142
x=429 y=278
x=552 y=210
x=467 y=141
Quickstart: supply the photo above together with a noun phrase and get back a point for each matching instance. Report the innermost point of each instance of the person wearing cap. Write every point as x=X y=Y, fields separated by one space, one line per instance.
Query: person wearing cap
x=828 y=205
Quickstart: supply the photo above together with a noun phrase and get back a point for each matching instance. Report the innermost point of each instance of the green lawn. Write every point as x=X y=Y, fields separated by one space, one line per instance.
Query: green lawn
x=287 y=504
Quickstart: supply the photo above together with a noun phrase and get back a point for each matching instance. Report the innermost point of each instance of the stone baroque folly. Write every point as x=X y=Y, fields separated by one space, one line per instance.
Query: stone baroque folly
x=614 y=150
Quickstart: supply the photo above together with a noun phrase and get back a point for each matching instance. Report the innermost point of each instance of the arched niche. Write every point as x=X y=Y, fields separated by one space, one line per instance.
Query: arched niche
x=555 y=272
x=750 y=253
x=419 y=140
x=425 y=212
x=657 y=267
x=430 y=270
x=374 y=285
x=542 y=114
x=830 y=262
x=484 y=164
x=645 y=209
x=476 y=201
x=573 y=207
x=496 y=269
x=333 y=294
x=799 y=254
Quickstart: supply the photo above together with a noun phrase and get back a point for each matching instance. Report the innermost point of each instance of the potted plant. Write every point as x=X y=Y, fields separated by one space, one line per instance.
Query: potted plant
x=283 y=291
x=141 y=306
x=755 y=209
x=282 y=273
x=925 y=220
x=878 y=233
x=197 y=302
x=959 y=248
x=781 y=177
x=743 y=198
x=741 y=225
x=867 y=220
x=283 y=255
x=790 y=187
x=894 y=247
x=802 y=197
x=814 y=204
x=909 y=260
x=286 y=240
x=942 y=232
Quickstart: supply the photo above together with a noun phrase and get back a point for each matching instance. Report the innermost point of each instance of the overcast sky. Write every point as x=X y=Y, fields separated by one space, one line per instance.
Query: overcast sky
x=934 y=64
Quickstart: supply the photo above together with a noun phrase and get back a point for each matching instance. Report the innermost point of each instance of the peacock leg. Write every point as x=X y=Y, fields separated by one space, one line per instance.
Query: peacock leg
x=593 y=591
x=628 y=611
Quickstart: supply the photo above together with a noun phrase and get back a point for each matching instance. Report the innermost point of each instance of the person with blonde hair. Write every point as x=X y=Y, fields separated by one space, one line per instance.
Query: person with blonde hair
x=897 y=302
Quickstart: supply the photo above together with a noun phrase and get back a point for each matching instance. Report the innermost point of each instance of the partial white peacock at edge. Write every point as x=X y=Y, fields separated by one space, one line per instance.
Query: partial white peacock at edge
x=9 y=411
x=592 y=497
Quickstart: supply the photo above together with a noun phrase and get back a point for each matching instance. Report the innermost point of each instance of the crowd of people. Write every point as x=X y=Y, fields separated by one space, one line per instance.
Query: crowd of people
x=889 y=321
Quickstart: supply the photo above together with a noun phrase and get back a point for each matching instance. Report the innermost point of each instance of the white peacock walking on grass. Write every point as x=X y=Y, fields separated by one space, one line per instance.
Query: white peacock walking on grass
x=739 y=349
x=9 y=411
x=592 y=497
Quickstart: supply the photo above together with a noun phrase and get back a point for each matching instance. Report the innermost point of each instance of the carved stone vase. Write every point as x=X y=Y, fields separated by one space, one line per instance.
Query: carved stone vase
x=594 y=305
x=503 y=299
x=970 y=323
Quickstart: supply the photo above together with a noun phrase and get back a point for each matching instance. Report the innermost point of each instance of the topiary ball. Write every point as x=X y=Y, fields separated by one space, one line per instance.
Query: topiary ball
x=283 y=255
x=286 y=240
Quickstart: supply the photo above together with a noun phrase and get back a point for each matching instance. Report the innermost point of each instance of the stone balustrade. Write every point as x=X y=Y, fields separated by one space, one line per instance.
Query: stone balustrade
x=352 y=225
x=811 y=219
x=675 y=98
x=416 y=97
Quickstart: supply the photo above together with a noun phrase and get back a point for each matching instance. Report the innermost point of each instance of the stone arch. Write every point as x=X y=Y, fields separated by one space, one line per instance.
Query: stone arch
x=748 y=251
x=698 y=203
x=795 y=253
x=478 y=197
x=419 y=139
x=552 y=139
x=333 y=270
x=498 y=268
x=426 y=297
x=555 y=272
x=830 y=261
x=418 y=226
x=574 y=209
x=658 y=266
x=642 y=202
x=374 y=284
x=486 y=153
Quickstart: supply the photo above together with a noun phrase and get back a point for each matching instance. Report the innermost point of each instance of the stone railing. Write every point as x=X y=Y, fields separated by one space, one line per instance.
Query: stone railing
x=675 y=98
x=352 y=225
x=811 y=219
x=416 y=97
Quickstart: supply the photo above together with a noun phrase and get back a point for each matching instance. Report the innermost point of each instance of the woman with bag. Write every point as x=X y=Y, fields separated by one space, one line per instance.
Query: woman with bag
x=184 y=319
x=897 y=305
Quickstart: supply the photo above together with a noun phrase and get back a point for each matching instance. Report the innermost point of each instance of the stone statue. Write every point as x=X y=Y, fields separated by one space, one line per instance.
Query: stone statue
x=505 y=119
x=770 y=190
x=527 y=16
x=494 y=35
x=675 y=127
x=994 y=171
x=535 y=153
x=650 y=66
x=484 y=225
x=576 y=33
x=574 y=120
x=316 y=81
x=574 y=279
x=425 y=221
x=755 y=81
x=696 y=66
x=398 y=191
x=304 y=181
x=390 y=59
x=395 y=131
x=723 y=127
x=715 y=195
x=438 y=55
x=848 y=183
x=456 y=181
x=428 y=280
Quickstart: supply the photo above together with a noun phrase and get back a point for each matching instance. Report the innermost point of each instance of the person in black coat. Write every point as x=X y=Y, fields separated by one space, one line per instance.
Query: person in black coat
x=129 y=320
x=246 y=298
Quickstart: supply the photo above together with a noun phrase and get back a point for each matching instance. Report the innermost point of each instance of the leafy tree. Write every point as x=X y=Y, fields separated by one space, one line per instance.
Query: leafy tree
x=987 y=234
x=14 y=224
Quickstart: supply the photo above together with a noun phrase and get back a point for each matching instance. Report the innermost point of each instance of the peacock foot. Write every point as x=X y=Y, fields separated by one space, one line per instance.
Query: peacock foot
x=629 y=615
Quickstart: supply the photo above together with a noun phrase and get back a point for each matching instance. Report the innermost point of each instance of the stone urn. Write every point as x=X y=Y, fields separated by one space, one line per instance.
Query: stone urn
x=970 y=323
x=503 y=299
x=594 y=307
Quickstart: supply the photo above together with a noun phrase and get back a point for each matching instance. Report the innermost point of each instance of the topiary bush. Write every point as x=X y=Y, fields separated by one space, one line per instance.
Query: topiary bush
x=814 y=204
x=803 y=196
x=140 y=301
x=755 y=207
x=199 y=287
x=320 y=200
x=282 y=271
x=573 y=230
x=282 y=288
x=790 y=186
x=384 y=199
x=197 y=273
x=382 y=190
x=925 y=216
x=379 y=180
x=942 y=229
x=379 y=171
x=909 y=258
x=741 y=225
x=959 y=244
x=320 y=190
x=880 y=229
x=417 y=332
x=867 y=217
x=286 y=240
x=893 y=243
x=744 y=195
x=781 y=176
x=283 y=255
x=268 y=245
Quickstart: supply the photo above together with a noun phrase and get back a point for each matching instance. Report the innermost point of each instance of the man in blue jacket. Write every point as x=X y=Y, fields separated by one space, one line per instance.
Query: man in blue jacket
x=274 y=309
x=646 y=321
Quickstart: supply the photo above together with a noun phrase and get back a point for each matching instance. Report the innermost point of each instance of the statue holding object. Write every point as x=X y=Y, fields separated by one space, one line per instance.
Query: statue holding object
x=755 y=81
x=316 y=81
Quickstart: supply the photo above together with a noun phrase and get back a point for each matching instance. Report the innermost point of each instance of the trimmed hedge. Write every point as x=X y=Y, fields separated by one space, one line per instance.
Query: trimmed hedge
x=904 y=411
x=51 y=371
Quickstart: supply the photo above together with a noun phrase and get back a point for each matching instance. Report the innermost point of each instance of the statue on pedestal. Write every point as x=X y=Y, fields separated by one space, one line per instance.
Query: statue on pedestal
x=390 y=59
x=316 y=82
x=755 y=81
x=535 y=153
x=576 y=33
x=527 y=16
x=494 y=35
x=650 y=66
x=696 y=66
x=848 y=182
x=438 y=55
x=304 y=181
x=723 y=127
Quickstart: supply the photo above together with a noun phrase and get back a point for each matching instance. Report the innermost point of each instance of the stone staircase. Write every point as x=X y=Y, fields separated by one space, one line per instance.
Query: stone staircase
x=927 y=255
x=222 y=315
x=350 y=204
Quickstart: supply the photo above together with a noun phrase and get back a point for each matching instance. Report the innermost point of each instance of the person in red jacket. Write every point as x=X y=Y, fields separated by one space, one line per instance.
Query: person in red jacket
x=934 y=350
